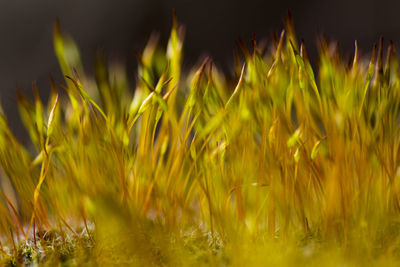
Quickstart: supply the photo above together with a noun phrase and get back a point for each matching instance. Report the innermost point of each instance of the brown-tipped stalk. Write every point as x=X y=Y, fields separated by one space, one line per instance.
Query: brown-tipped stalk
x=356 y=56
x=379 y=64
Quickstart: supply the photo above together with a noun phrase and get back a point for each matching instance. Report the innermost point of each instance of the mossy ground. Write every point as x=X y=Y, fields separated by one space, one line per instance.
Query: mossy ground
x=276 y=164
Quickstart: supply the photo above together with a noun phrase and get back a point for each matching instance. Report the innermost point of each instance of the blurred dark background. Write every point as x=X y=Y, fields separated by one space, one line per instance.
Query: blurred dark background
x=212 y=27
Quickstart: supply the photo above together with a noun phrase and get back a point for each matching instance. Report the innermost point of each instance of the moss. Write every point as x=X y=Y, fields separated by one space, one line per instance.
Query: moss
x=274 y=164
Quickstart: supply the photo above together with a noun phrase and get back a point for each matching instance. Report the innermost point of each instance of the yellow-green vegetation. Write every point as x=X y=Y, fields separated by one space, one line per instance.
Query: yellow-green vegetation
x=279 y=165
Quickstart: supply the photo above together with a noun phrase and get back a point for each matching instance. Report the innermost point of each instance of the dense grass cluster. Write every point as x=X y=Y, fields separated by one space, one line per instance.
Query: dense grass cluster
x=276 y=166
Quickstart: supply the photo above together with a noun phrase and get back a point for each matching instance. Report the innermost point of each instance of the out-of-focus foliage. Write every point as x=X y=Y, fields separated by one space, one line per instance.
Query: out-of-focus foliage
x=284 y=165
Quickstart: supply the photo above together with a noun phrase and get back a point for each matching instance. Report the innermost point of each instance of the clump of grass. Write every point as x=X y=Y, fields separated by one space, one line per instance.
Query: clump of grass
x=277 y=166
